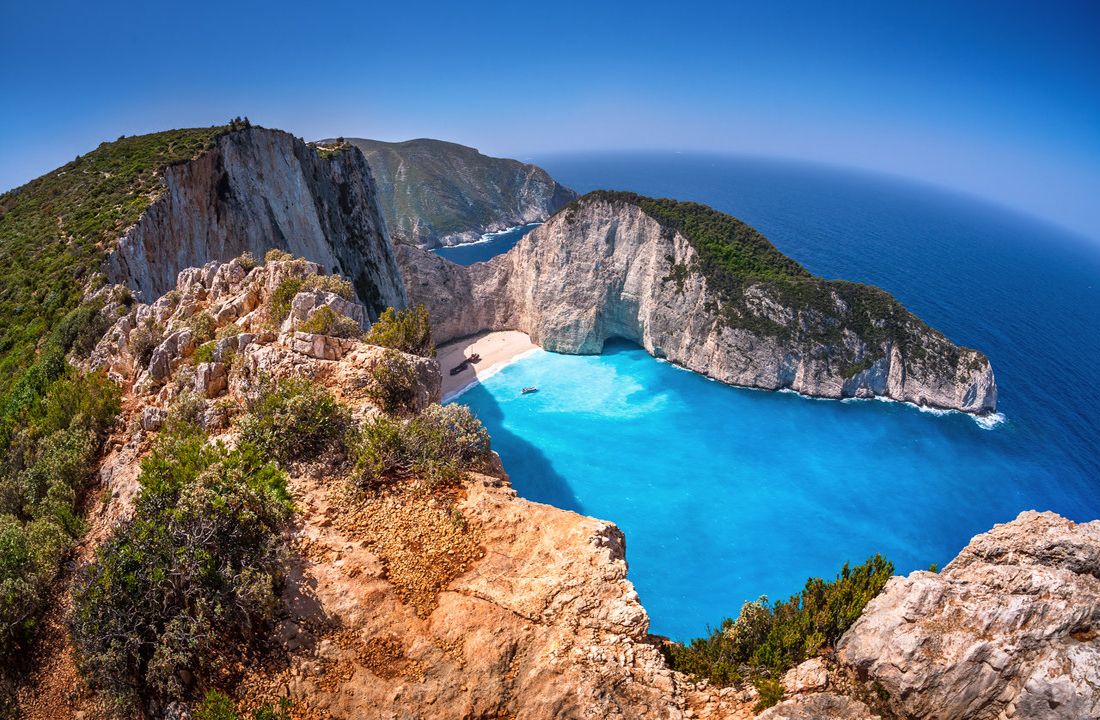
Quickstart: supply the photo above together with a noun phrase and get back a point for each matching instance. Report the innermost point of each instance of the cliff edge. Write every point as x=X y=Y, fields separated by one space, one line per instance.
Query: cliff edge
x=256 y=189
x=705 y=291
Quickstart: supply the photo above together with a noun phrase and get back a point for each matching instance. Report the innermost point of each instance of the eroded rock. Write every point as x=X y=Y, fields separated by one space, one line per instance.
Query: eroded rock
x=1009 y=629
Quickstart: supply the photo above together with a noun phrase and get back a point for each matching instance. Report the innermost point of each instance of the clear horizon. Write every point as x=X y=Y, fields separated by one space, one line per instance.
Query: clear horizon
x=993 y=100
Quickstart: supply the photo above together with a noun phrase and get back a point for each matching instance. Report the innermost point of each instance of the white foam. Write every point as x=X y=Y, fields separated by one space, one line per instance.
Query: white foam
x=487 y=237
x=489 y=372
x=989 y=422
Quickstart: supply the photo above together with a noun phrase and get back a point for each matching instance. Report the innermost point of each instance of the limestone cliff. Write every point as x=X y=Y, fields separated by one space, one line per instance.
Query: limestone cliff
x=436 y=193
x=398 y=605
x=1009 y=629
x=258 y=189
x=704 y=291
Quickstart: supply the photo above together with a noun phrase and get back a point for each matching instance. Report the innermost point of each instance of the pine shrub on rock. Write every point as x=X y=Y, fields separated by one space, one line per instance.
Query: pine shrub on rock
x=294 y=419
x=192 y=576
x=436 y=446
x=766 y=640
x=326 y=321
x=406 y=330
x=392 y=383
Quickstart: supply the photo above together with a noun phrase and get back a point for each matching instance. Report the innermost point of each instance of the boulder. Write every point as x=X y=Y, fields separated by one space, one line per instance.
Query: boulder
x=1009 y=629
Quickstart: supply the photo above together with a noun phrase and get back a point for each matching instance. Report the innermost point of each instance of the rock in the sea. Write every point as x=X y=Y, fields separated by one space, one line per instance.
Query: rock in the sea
x=605 y=268
x=1009 y=629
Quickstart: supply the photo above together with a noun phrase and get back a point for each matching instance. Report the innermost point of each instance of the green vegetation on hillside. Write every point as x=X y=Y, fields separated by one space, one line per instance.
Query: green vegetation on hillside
x=54 y=234
x=406 y=330
x=192 y=577
x=733 y=256
x=767 y=640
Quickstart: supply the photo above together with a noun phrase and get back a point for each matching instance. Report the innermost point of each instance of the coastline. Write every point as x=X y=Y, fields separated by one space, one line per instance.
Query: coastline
x=488 y=236
x=497 y=349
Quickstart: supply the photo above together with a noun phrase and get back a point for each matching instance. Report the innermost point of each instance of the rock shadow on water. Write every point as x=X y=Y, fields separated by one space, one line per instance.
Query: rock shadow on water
x=528 y=468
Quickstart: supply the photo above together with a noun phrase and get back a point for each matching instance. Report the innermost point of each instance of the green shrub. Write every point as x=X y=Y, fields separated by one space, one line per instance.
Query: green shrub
x=293 y=419
x=195 y=573
x=326 y=321
x=766 y=640
x=281 y=298
x=392 y=382
x=435 y=446
x=143 y=341
x=277 y=255
x=334 y=284
x=216 y=705
x=42 y=474
x=202 y=326
x=771 y=692
x=406 y=330
x=204 y=353
x=230 y=330
x=247 y=260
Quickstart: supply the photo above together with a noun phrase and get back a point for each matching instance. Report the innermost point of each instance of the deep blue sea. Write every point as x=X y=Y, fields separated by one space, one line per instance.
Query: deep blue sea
x=727 y=494
x=490 y=244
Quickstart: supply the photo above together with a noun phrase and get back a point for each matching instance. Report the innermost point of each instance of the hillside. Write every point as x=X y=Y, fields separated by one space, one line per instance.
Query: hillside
x=436 y=193
x=706 y=291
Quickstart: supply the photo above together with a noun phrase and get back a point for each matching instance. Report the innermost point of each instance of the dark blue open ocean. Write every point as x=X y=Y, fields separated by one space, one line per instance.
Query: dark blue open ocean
x=727 y=494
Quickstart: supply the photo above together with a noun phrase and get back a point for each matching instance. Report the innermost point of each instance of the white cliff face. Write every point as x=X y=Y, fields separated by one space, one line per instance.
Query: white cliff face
x=1009 y=629
x=601 y=270
x=255 y=190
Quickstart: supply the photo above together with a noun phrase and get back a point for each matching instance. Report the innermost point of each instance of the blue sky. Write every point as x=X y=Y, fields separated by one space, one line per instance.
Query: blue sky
x=999 y=99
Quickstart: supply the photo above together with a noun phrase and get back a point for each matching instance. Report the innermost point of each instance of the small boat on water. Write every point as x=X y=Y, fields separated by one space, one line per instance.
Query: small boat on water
x=529 y=390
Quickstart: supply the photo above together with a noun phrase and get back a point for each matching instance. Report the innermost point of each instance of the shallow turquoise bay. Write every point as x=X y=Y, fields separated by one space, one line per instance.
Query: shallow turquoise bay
x=726 y=494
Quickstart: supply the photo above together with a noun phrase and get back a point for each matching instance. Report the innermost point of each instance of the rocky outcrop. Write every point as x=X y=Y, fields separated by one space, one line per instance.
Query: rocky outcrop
x=1009 y=629
x=436 y=193
x=605 y=268
x=537 y=621
x=259 y=189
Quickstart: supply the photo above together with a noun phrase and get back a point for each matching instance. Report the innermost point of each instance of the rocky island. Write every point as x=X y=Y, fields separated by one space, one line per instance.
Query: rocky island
x=237 y=492
x=705 y=291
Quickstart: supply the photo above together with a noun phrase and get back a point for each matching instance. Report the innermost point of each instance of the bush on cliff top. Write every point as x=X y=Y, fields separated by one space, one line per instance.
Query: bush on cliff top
x=190 y=578
x=406 y=330
x=435 y=446
x=766 y=640
x=392 y=382
x=293 y=419
x=326 y=321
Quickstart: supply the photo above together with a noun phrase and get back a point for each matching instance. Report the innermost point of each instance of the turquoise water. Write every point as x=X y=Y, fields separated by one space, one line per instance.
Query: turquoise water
x=490 y=245
x=726 y=494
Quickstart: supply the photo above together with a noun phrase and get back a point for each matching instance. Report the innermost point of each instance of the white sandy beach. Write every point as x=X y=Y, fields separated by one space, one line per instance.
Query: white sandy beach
x=496 y=349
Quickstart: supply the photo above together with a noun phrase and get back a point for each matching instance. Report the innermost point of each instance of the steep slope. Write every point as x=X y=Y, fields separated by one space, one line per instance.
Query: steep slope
x=254 y=190
x=436 y=193
x=705 y=291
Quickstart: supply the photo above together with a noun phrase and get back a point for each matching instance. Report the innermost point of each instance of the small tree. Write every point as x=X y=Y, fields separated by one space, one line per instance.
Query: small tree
x=392 y=384
x=406 y=330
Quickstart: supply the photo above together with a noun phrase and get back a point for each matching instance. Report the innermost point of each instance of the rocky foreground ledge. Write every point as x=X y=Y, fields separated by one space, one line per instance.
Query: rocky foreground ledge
x=395 y=608
x=702 y=290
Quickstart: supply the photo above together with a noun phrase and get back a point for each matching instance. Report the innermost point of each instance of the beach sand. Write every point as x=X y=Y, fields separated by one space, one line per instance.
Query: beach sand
x=496 y=349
